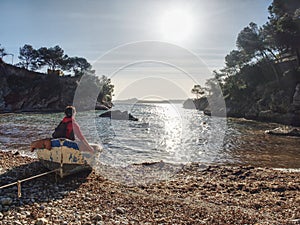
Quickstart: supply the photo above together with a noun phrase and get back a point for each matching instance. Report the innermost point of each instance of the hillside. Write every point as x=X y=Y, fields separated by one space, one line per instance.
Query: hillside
x=22 y=90
x=261 y=77
x=270 y=101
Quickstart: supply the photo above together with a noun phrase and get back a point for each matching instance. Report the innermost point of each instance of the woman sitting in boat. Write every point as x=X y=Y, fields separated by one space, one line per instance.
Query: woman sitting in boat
x=69 y=128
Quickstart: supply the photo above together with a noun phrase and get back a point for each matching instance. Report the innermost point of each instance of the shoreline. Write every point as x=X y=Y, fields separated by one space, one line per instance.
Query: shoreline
x=32 y=155
x=194 y=195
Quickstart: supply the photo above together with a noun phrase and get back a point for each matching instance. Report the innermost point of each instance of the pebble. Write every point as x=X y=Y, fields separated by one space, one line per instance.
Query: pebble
x=6 y=201
x=27 y=213
x=97 y=217
x=216 y=193
x=120 y=210
x=295 y=221
x=16 y=222
x=41 y=221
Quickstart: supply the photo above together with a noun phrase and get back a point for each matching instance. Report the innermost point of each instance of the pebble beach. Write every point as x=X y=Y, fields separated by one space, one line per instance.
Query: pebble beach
x=196 y=194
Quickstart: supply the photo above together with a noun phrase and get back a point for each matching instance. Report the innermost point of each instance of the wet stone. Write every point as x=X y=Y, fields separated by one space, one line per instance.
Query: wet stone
x=41 y=221
x=120 y=210
x=6 y=201
x=97 y=217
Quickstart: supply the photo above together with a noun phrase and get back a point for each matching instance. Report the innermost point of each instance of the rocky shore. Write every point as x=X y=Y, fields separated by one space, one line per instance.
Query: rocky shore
x=196 y=194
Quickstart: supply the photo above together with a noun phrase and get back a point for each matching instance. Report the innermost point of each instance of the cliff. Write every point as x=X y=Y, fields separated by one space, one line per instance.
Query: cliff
x=200 y=104
x=22 y=90
x=270 y=102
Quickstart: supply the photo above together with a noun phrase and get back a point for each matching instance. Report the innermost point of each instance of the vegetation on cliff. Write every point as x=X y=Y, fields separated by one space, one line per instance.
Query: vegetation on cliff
x=260 y=76
x=27 y=90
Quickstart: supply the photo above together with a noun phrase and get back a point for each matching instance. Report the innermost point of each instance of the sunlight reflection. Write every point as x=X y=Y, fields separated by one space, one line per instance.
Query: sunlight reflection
x=172 y=128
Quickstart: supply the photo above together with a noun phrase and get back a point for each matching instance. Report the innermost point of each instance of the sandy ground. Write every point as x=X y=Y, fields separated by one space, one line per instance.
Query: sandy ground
x=195 y=194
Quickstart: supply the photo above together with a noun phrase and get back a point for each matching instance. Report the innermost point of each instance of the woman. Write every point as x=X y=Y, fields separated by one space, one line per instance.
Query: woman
x=69 y=128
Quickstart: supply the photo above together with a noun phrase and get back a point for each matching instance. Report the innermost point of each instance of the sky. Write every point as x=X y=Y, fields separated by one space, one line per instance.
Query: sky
x=149 y=48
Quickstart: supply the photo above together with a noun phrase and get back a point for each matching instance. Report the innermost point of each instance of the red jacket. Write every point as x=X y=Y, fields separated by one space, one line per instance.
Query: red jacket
x=73 y=126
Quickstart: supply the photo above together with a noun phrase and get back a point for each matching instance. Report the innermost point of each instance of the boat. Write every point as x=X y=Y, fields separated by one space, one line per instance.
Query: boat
x=64 y=157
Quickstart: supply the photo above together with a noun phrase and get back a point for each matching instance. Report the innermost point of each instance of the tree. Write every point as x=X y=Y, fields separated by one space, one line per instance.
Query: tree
x=251 y=41
x=106 y=89
x=285 y=23
x=213 y=86
x=235 y=60
x=52 y=57
x=28 y=57
x=91 y=84
x=77 y=65
x=198 y=90
x=2 y=52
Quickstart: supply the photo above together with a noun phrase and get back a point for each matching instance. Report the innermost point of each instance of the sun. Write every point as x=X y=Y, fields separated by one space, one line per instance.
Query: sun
x=176 y=25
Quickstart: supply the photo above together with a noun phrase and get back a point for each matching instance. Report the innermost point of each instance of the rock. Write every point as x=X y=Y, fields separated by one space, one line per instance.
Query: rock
x=97 y=217
x=207 y=112
x=101 y=107
x=1 y=216
x=218 y=112
x=284 y=132
x=296 y=97
x=120 y=210
x=16 y=222
x=199 y=104
x=41 y=221
x=6 y=201
x=189 y=104
x=266 y=115
x=253 y=112
x=118 y=115
x=295 y=221
x=27 y=213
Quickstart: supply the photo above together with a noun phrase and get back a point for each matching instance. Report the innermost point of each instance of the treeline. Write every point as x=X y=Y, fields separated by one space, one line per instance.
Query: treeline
x=260 y=76
x=54 y=58
x=263 y=53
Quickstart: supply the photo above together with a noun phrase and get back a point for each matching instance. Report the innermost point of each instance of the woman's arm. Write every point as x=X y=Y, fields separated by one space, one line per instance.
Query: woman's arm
x=80 y=136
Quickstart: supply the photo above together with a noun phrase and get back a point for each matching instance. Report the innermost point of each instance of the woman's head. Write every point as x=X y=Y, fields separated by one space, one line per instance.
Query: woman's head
x=70 y=111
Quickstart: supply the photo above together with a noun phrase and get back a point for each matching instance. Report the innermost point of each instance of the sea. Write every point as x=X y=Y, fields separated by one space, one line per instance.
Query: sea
x=164 y=132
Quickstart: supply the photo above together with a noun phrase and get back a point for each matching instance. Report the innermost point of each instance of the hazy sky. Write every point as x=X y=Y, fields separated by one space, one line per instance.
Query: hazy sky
x=93 y=29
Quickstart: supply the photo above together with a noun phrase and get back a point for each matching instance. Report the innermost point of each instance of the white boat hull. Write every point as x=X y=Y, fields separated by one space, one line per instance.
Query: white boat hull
x=63 y=156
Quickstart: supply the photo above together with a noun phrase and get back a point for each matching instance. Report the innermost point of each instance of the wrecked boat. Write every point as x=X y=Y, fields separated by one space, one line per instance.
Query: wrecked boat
x=64 y=157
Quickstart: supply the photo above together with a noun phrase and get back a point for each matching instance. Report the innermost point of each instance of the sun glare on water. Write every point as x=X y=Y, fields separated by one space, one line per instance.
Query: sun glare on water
x=176 y=25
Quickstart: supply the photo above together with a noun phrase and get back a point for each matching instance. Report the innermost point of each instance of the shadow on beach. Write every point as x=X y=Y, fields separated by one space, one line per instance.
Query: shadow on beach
x=38 y=190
